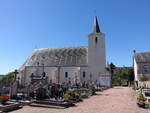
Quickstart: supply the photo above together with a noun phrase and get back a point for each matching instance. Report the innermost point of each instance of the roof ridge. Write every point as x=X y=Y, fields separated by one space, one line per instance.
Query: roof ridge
x=142 y=52
x=62 y=47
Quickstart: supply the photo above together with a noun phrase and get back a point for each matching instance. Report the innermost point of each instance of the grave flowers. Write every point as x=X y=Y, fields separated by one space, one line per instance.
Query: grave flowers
x=141 y=101
x=72 y=96
x=66 y=97
x=3 y=99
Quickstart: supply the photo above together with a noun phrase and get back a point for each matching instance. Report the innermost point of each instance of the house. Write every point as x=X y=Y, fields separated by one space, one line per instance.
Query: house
x=141 y=64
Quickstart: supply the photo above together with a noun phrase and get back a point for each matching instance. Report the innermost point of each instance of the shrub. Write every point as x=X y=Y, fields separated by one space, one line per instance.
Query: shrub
x=142 y=78
x=77 y=96
x=71 y=95
x=141 y=97
x=66 y=97
x=141 y=100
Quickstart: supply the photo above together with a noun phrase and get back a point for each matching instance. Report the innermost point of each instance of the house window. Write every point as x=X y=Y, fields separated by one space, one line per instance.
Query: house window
x=84 y=74
x=146 y=68
x=66 y=74
x=96 y=39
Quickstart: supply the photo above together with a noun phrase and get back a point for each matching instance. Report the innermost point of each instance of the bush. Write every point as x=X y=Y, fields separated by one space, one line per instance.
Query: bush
x=66 y=97
x=142 y=78
x=141 y=97
x=141 y=100
x=77 y=96
x=70 y=95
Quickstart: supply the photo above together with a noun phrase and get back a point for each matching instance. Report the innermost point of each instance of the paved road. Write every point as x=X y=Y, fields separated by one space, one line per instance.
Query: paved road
x=114 y=100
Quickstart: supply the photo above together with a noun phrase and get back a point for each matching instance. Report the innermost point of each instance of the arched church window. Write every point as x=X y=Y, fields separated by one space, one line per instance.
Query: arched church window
x=90 y=76
x=84 y=74
x=96 y=40
x=66 y=74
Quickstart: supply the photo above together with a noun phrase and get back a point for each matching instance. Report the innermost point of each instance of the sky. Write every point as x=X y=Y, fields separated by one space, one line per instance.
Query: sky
x=26 y=25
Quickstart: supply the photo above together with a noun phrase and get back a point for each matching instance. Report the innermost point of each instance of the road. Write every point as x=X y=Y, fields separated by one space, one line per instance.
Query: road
x=114 y=100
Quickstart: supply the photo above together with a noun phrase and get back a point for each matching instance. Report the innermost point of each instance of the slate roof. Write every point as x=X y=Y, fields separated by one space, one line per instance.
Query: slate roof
x=70 y=56
x=142 y=57
x=96 y=28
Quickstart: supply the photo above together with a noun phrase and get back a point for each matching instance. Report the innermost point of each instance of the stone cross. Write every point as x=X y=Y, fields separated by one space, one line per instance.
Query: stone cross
x=14 y=85
x=15 y=74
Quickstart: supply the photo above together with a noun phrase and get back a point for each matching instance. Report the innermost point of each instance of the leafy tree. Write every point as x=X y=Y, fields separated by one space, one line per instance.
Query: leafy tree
x=6 y=79
x=9 y=77
x=123 y=74
x=112 y=68
x=116 y=78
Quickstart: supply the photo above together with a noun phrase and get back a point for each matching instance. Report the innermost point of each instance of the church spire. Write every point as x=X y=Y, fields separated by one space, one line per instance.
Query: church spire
x=96 y=28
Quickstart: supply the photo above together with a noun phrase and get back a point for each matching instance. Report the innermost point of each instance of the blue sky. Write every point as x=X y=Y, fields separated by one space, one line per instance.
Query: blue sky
x=29 y=24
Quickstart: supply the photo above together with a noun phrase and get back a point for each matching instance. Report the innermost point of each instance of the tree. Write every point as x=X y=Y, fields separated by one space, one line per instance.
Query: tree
x=116 y=78
x=123 y=74
x=10 y=77
x=6 y=79
x=112 y=68
x=130 y=75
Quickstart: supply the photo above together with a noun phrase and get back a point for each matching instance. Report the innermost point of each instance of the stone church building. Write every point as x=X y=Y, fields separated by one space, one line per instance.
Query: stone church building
x=69 y=64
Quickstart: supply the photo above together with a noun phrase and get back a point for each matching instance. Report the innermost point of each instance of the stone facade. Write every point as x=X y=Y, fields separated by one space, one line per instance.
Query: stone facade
x=142 y=68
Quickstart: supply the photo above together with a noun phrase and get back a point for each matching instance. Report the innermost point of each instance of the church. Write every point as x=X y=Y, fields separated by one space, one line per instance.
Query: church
x=83 y=64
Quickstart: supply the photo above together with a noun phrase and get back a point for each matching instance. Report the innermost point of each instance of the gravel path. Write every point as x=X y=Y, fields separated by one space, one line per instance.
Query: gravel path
x=114 y=100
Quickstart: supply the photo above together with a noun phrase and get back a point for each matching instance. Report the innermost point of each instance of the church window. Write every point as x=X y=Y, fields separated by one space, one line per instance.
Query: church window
x=84 y=74
x=90 y=76
x=66 y=74
x=96 y=39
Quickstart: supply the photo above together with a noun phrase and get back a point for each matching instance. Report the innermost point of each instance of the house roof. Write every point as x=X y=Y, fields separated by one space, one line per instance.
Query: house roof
x=142 y=57
x=70 y=56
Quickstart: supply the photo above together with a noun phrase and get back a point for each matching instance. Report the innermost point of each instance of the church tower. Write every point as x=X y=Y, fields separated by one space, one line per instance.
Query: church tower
x=96 y=52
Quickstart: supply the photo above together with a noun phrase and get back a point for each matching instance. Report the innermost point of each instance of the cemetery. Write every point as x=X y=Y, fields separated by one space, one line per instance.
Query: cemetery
x=143 y=97
x=60 y=71
x=41 y=94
